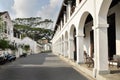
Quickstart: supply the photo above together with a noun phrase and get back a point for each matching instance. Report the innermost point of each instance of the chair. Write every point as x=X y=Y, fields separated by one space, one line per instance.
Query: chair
x=88 y=60
x=85 y=56
x=116 y=59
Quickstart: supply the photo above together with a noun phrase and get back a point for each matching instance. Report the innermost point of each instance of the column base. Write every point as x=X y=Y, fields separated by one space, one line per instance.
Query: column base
x=78 y=62
x=94 y=72
x=104 y=72
x=66 y=56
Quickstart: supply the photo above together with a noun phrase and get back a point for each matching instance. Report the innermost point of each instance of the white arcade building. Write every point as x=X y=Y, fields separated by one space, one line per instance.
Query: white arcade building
x=88 y=25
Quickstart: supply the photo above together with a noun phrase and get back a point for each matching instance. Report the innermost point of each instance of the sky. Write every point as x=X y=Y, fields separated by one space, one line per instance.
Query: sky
x=31 y=8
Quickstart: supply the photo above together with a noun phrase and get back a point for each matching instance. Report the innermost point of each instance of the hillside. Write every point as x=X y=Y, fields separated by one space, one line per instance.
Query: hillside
x=33 y=27
x=34 y=22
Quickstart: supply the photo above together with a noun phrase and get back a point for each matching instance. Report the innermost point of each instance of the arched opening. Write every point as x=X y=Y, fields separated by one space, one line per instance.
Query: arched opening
x=89 y=36
x=75 y=48
x=114 y=28
x=85 y=28
x=73 y=36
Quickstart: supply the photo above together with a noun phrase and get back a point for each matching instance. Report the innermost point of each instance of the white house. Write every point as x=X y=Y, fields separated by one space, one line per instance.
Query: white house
x=17 y=42
x=88 y=25
x=7 y=25
x=34 y=47
x=47 y=47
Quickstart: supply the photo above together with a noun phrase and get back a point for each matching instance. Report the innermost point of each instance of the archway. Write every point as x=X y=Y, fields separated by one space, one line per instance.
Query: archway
x=109 y=12
x=85 y=27
x=114 y=28
x=89 y=36
x=73 y=37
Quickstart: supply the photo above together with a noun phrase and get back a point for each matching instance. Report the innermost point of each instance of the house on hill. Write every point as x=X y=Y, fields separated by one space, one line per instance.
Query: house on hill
x=6 y=29
x=34 y=46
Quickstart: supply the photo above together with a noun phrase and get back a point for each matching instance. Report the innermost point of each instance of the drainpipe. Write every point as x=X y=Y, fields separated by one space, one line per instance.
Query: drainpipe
x=95 y=46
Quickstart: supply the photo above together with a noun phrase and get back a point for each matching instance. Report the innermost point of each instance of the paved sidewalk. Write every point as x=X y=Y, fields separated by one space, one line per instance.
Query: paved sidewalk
x=88 y=72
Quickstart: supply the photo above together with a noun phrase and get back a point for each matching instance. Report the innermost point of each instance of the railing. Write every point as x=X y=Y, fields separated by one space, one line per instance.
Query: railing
x=80 y=1
x=73 y=7
x=72 y=10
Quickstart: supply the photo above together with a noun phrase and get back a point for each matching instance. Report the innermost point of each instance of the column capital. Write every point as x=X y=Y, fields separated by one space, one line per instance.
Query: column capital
x=71 y=39
x=69 y=1
x=99 y=26
x=80 y=35
x=64 y=12
x=65 y=41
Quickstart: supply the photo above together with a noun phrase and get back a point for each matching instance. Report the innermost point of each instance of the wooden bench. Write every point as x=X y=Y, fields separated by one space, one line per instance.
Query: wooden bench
x=88 y=60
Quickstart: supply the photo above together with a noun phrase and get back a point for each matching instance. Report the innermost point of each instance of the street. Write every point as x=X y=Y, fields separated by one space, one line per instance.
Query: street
x=44 y=66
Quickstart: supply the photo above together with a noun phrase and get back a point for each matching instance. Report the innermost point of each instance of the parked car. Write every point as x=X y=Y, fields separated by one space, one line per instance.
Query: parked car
x=2 y=58
x=23 y=55
x=10 y=57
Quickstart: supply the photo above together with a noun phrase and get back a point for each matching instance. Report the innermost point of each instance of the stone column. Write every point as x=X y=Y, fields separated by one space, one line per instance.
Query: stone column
x=80 y=49
x=59 y=27
x=77 y=2
x=61 y=48
x=68 y=9
x=61 y=23
x=71 y=54
x=58 y=48
x=65 y=48
x=102 y=49
x=64 y=17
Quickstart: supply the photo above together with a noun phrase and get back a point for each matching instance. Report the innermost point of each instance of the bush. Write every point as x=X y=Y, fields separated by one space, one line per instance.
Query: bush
x=12 y=47
x=26 y=47
x=4 y=44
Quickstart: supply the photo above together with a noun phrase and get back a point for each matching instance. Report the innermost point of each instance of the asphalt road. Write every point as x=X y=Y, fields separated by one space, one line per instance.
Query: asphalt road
x=45 y=66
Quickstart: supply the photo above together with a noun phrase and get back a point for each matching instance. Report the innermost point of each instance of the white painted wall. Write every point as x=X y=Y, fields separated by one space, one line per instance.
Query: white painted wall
x=28 y=41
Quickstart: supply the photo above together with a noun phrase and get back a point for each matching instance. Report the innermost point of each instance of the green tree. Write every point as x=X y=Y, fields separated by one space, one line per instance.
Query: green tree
x=4 y=44
x=26 y=47
x=12 y=47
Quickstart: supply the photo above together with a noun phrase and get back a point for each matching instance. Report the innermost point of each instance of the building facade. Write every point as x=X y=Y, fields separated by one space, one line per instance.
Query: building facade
x=92 y=26
x=6 y=25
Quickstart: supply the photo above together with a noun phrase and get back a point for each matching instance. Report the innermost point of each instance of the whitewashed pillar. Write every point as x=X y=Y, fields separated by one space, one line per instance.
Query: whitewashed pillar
x=77 y=2
x=58 y=47
x=61 y=23
x=65 y=48
x=80 y=49
x=71 y=54
x=102 y=49
x=64 y=17
x=61 y=48
x=69 y=9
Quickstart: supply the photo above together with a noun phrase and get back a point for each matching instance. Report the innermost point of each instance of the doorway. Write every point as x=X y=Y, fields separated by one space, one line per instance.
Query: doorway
x=111 y=36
